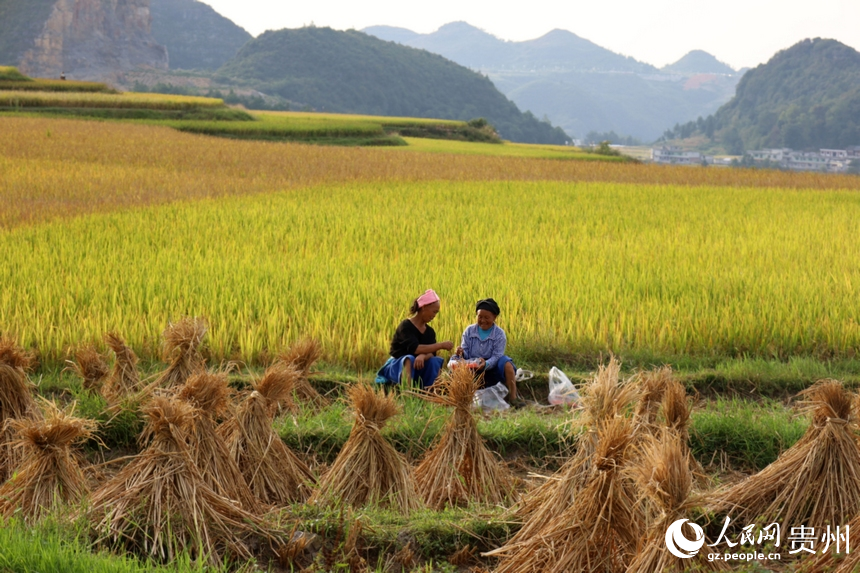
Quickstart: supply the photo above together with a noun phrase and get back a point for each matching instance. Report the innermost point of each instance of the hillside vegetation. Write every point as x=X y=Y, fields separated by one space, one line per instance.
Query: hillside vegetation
x=805 y=97
x=352 y=72
x=20 y=23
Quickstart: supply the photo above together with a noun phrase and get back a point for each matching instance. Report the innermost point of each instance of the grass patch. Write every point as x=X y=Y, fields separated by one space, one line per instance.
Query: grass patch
x=743 y=434
x=506 y=149
x=20 y=100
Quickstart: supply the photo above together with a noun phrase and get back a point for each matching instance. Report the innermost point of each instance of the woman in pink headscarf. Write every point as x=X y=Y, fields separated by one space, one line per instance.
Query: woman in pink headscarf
x=414 y=347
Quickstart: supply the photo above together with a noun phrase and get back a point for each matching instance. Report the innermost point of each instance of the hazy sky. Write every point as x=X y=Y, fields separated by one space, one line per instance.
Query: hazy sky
x=738 y=32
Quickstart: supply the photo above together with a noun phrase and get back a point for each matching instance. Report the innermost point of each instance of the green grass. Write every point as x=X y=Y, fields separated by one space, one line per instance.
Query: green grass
x=28 y=84
x=11 y=74
x=55 y=546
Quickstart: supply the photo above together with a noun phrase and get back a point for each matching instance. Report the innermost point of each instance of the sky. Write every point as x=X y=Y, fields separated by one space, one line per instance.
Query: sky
x=741 y=33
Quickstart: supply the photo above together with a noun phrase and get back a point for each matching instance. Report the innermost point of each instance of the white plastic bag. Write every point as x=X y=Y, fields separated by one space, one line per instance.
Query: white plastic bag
x=492 y=398
x=561 y=389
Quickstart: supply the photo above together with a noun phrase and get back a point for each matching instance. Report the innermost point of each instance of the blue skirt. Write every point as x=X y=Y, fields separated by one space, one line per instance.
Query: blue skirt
x=392 y=371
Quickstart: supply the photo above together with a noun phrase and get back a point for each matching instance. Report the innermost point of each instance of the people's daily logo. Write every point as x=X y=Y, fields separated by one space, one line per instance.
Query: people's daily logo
x=678 y=544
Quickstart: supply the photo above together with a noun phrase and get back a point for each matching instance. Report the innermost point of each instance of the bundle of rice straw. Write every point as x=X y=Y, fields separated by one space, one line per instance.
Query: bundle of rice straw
x=652 y=385
x=368 y=470
x=677 y=411
x=16 y=401
x=814 y=482
x=182 y=349
x=91 y=367
x=124 y=378
x=302 y=355
x=50 y=473
x=662 y=475
x=209 y=394
x=604 y=399
x=159 y=506
x=830 y=561
x=600 y=530
x=273 y=472
x=460 y=468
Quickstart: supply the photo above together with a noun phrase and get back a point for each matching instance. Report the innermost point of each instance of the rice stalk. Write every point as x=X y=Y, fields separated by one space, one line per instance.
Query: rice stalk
x=600 y=530
x=159 y=506
x=273 y=472
x=16 y=401
x=814 y=482
x=50 y=474
x=209 y=394
x=662 y=474
x=91 y=367
x=124 y=377
x=368 y=470
x=652 y=385
x=605 y=398
x=459 y=468
x=302 y=355
x=182 y=341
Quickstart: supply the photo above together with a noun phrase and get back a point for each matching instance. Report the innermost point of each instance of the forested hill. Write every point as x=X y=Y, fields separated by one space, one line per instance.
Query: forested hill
x=805 y=97
x=196 y=36
x=353 y=72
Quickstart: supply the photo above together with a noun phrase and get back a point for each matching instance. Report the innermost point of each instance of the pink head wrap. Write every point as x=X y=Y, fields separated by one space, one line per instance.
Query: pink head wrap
x=429 y=297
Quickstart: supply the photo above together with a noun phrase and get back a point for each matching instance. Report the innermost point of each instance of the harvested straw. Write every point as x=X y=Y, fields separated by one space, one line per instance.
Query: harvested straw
x=16 y=401
x=50 y=474
x=652 y=385
x=273 y=472
x=209 y=394
x=124 y=378
x=663 y=476
x=460 y=468
x=90 y=366
x=181 y=348
x=159 y=506
x=302 y=355
x=368 y=470
x=604 y=399
x=814 y=482
x=600 y=531
x=677 y=411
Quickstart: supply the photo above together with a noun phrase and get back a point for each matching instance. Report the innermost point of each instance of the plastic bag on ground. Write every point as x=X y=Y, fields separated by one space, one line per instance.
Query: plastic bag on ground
x=492 y=398
x=562 y=390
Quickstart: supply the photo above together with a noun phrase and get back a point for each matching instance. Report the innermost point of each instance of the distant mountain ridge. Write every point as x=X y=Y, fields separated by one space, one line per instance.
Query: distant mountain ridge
x=479 y=50
x=579 y=85
x=698 y=62
x=358 y=73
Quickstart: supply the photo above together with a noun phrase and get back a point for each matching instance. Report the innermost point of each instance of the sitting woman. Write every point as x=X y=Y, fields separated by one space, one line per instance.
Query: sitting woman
x=414 y=347
x=485 y=342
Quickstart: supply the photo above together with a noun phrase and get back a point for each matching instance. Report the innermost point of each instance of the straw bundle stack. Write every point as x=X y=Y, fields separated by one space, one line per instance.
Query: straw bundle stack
x=50 y=473
x=124 y=378
x=273 y=472
x=159 y=505
x=368 y=470
x=91 y=367
x=209 y=395
x=182 y=349
x=662 y=475
x=604 y=399
x=814 y=482
x=600 y=530
x=302 y=355
x=652 y=385
x=460 y=468
x=16 y=401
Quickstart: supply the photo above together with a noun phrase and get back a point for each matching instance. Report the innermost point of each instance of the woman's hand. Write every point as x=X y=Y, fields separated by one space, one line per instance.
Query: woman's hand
x=481 y=363
x=447 y=345
x=419 y=362
x=460 y=352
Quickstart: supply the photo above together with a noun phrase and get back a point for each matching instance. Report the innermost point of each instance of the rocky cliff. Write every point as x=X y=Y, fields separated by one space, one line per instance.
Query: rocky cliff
x=86 y=39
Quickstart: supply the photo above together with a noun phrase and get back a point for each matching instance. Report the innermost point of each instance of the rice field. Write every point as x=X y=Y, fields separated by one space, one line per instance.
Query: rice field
x=17 y=99
x=581 y=266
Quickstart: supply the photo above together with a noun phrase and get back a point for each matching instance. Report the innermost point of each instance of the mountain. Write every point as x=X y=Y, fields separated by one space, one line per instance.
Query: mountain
x=575 y=83
x=479 y=50
x=86 y=39
x=357 y=73
x=698 y=62
x=196 y=36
